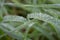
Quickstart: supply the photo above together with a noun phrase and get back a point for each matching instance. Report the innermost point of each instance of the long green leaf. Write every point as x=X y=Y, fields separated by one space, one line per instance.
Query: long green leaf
x=49 y=19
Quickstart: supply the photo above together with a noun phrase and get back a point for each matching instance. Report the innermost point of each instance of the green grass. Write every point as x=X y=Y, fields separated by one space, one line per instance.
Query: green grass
x=29 y=20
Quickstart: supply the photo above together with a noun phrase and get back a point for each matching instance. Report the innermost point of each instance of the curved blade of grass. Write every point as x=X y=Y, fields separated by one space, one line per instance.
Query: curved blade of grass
x=27 y=30
x=49 y=19
x=45 y=33
x=16 y=35
x=11 y=18
x=52 y=12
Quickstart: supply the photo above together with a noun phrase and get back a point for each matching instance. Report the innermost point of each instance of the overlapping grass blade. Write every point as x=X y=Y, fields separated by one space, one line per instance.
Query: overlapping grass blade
x=49 y=19
x=11 y=18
